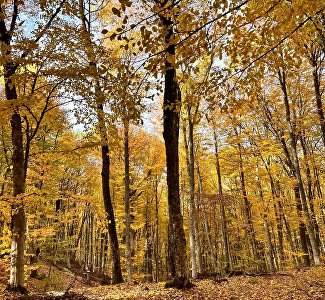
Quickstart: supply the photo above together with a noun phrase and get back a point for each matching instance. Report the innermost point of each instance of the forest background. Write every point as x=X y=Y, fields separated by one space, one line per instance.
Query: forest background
x=236 y=180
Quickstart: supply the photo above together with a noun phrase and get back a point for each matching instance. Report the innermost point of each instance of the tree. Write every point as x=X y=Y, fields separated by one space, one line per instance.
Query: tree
x=9 y=16
x=172 y=102
x=99 y=98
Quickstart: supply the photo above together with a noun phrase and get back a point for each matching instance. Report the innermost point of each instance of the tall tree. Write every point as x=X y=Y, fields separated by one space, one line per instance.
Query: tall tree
x=172 y=102
x=9 y=16
x=99 y=98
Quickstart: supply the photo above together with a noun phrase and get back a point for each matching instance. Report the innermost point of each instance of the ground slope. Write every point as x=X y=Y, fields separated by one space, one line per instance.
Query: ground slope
x=303 y=284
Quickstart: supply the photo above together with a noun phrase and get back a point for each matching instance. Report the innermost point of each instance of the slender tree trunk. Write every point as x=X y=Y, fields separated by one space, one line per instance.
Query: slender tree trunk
x=290 y=239
x=104 y=247
x=270 y=249
x=189 y=151
x=317 y=183
x=128 y=250
x=86 y=246
x=91 y=254
x=8 y=163
x=278 y=216
x=212 y=250
x=317 y=89
x=310 y=194
x=247 y=207
x=293 y=249
x=289 y=162
x=299 y=189
x=225 y=235
x=97 y=251
x=306 y=213
x=77 y=242
x=115 y=253
x=148 y=268
x=99 y=99
x=269 y=244
x=157 y=228
x=302 y=227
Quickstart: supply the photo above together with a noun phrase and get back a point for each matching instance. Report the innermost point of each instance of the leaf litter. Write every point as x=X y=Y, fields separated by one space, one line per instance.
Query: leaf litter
x=302 y=284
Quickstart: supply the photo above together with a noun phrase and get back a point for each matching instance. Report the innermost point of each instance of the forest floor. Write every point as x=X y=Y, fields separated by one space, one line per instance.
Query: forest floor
x=304 y=284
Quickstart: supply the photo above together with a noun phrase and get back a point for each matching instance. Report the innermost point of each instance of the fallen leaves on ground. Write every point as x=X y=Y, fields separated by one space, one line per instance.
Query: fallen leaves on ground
x=303 y=285
x=307 y=284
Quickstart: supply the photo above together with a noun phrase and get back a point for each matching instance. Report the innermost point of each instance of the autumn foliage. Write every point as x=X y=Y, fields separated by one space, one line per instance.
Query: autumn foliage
x=160 y=141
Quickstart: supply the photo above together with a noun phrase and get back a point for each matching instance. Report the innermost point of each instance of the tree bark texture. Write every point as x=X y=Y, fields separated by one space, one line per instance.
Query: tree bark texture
x=18 y=221
x=172 y=101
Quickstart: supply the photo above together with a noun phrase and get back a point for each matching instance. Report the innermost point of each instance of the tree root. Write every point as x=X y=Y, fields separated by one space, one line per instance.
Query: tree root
x=179 y=282
x=16 y=289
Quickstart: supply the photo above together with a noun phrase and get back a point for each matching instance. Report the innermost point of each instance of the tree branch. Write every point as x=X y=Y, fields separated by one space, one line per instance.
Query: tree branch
x=46 y=27
x=14 y=18
x=241 y=71
x=4 y=36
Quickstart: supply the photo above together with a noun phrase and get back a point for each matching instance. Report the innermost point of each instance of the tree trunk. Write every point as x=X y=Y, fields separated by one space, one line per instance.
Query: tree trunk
x=310 y=194
x=299 y=189
x=270 y=249
x=172 y=101
x=18 y=222
x=116 y=267
x=278 y=217
x=171 y=269
x=104 y=249
x=317 y=89
x=225 y=236
x=86 y=246
x=8 y=163
x=247 y=207
x=128 y=250
x=99 y=99
x=148 y=268
x=189 y=151
x=212 y=250
x=157 y=228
